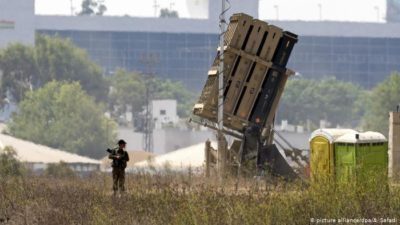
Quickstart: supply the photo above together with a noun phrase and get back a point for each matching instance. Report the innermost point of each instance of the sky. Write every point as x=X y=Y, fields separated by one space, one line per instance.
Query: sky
x=338 y=10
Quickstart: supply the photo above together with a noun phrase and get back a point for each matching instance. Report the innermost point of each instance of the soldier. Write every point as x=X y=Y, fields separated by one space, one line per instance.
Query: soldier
x=119 y=158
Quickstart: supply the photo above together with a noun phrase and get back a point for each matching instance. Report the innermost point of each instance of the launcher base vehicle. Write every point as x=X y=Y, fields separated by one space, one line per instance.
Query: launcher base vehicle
x=255 y=58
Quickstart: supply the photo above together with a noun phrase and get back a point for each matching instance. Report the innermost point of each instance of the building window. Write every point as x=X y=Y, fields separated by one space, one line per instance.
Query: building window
x=163 y=112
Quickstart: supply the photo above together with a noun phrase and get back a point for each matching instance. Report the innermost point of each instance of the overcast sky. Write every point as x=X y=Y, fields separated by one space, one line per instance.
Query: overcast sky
x=342 y=10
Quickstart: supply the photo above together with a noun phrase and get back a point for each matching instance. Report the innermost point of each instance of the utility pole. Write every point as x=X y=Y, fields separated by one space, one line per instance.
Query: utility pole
x=150 y=61
x=378 y=16
x=221 y=162
x=320 y=11
x=72 y=7
x=148 y=122
x=277 y=11
x=155 y=6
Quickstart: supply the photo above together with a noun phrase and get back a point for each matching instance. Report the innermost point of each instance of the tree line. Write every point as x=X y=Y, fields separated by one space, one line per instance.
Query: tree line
x=62 y=95
x=341 y=103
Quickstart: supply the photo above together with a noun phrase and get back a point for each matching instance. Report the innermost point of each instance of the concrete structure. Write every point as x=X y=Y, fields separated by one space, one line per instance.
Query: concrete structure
x=17 y=22
x=165 y=140
x=182 y=159
x=38 y=157
x=171 y=139
x=164 y=113
x=394 y=145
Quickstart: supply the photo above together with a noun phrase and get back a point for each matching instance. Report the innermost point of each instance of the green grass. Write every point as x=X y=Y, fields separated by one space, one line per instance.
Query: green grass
x=189 y=199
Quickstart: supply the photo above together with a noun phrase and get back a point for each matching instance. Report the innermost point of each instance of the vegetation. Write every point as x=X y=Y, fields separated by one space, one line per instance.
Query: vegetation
x=26 y=68
x=166 y=89
x=328 y=99
x=92 y=7
x=184 y=199
x=59 y=170
x=58 y=59
x=385 y=97
x=166 y=13
x=62 y=115
x=128 y=93
x=20 y=72
x=9 y=165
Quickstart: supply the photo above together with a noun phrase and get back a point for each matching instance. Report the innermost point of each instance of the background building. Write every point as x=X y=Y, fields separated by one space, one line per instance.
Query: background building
x=164 y=113
x=183 y=49
x=38 y=157
x=17 y=22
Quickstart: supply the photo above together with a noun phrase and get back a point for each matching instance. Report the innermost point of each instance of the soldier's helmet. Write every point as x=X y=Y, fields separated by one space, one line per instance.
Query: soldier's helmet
x=121 y=142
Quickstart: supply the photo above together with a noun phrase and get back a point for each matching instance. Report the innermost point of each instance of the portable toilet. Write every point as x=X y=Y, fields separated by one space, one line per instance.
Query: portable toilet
x=358 y=153
x=322 y=149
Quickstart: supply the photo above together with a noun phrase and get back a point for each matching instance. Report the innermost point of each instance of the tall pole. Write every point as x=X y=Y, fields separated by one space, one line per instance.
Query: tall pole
x=221 y=139
x=155 y=6
x=277 y=11
x=72 y=8
x=377 y=13
x=320 y=11
x=150 y=61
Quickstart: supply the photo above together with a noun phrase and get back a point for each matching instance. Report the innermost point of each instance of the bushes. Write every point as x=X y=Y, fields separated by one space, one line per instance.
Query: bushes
x=60 y=170
x=9 y=165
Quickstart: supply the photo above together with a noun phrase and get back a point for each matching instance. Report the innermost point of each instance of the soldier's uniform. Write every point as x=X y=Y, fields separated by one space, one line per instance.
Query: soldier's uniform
x=119 y=161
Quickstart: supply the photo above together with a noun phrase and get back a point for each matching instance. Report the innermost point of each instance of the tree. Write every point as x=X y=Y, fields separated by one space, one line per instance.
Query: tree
x=166 y=13
x=92 y=7
x=385 y=97
x=62 y=115
x=58 y=59
x=126 y=94
x=26 y=68
x=19 y=68
x=313 y=100
x=9 y=165
x=59 y=170
x=166 y=89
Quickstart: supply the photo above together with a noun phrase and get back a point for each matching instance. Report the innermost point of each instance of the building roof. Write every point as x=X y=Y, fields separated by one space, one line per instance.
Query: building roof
x=366 y=137
x=331 y=133
x=192 y=156
x=178 y=25
x=34 y=153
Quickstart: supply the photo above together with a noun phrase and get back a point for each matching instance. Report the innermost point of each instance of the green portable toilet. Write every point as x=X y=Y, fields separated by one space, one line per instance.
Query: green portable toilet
x=322 y=150
x=358 y=154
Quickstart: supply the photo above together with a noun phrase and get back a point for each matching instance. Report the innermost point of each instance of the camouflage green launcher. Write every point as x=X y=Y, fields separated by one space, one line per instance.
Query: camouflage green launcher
x=255 y=74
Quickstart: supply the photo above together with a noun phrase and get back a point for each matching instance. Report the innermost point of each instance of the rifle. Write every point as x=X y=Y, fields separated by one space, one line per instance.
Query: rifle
x=117 y=162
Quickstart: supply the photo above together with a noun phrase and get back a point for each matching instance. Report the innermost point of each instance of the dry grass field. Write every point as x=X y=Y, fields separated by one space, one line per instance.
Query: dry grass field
x=187 y=199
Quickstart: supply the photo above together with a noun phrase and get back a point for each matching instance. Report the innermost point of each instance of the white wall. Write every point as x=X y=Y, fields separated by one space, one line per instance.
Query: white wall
x=164 y=112
x=165 y=140
x=17 y=22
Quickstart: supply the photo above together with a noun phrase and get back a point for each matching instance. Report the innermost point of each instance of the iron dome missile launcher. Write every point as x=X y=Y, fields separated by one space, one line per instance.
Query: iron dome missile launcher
x=255 y=57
